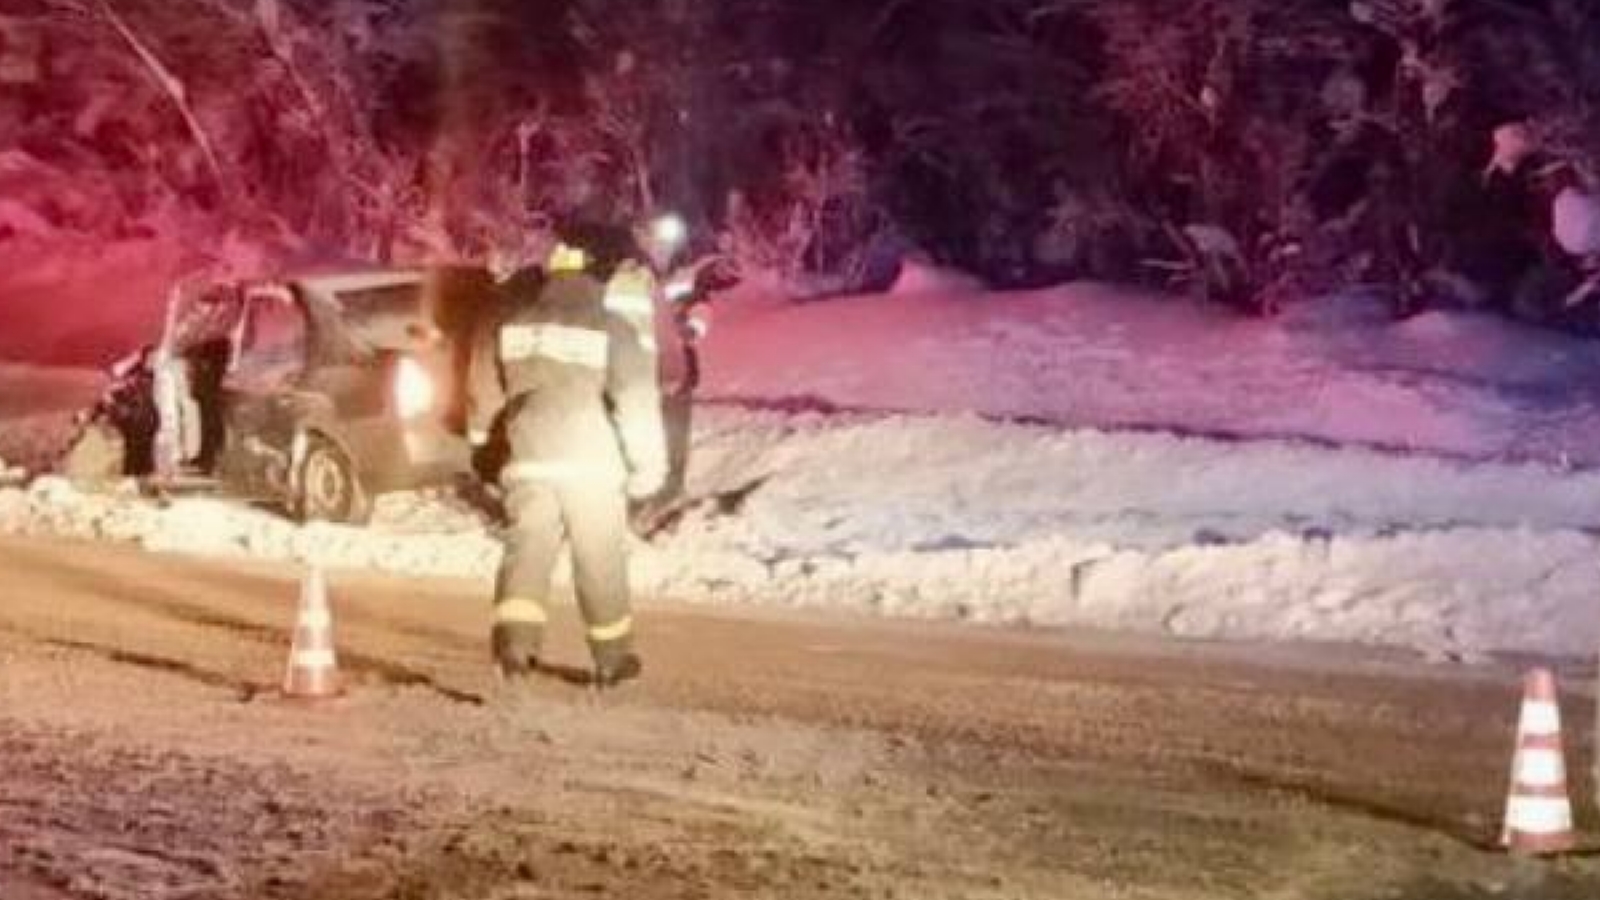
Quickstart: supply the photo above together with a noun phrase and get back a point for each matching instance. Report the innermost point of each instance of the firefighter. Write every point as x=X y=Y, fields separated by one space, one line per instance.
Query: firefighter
x=576 y=393
x=642 y=282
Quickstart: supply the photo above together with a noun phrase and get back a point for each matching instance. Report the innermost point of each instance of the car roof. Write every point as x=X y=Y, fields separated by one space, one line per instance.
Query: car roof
x=341 y=281
x=356 y=307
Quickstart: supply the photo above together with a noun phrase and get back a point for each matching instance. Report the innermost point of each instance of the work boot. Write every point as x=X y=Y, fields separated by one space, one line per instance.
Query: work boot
x=613 y=671
x=516 y=649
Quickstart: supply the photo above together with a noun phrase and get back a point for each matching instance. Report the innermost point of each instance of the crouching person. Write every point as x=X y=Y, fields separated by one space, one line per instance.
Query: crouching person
x=578 y=397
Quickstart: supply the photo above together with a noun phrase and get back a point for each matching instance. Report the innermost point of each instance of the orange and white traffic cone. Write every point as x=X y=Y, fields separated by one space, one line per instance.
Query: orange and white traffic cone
x=1538 y=809
x=313 y=672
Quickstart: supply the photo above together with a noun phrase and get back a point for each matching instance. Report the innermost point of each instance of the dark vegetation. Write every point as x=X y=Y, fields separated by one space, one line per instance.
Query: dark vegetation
x=1249 y=150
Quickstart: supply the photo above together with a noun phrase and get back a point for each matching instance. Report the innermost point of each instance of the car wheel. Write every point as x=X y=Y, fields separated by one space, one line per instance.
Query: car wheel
x=329 y=490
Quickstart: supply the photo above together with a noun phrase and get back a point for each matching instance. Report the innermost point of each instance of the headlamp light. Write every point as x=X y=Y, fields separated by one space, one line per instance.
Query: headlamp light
x=670 y=231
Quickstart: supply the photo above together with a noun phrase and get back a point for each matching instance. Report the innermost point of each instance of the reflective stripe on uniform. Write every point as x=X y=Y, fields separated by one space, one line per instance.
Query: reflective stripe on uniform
x=562 y=343
x=616 y=631
x=551 y=471
x=520 y=611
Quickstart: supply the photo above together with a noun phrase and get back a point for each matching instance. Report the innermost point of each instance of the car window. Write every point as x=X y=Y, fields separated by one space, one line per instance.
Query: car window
x=206 y=318
x=275 y=341
x=381 y=302
x=383 y=317
x=389 y=318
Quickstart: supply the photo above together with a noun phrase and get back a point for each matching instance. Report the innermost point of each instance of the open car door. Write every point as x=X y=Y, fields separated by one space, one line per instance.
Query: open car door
x=249 y=419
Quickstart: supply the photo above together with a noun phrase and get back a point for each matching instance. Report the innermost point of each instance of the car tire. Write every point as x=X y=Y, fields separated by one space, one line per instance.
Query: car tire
x=328 y=488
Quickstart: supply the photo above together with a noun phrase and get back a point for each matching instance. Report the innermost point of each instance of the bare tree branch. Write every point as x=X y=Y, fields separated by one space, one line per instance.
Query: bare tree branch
x=169 y=84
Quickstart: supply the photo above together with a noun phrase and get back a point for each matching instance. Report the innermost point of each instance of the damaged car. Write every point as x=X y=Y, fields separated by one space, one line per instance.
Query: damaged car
x=314 y=393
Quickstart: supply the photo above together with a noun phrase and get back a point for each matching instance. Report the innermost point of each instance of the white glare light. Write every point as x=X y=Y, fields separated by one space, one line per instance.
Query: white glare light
x=413 y=389
x=670 y=230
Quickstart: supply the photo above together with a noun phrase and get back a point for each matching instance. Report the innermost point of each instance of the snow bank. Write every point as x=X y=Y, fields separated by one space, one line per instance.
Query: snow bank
x=967 y=519
x=455 y=542
x=923 y=278
x=1336 y=370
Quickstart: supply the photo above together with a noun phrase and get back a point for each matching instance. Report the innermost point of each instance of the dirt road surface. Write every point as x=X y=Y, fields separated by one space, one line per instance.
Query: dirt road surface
x=144 y=754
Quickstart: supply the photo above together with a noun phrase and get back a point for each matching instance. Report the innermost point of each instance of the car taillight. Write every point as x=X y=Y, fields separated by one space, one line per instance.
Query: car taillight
x=414 y=392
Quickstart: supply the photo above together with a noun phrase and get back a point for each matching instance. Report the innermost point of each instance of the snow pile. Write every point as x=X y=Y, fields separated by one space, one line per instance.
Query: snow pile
x=994 y=523
x=918 y=277
x=1337 y=370
x=455 y=545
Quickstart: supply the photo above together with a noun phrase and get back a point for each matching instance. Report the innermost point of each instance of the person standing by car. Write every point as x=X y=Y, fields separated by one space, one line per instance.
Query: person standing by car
x=648 y=278
x=576 y=391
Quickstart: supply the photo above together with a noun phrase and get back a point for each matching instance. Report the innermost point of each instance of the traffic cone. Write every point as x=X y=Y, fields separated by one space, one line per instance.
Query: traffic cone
x=313 y=672
x=1538 y=809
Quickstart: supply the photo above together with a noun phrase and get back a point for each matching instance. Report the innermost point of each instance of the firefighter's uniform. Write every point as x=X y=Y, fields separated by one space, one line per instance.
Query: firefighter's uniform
x=581 y=404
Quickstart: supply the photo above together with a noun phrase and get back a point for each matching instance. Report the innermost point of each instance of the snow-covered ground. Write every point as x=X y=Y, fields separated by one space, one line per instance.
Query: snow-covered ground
x=1337 y=370
x=1178 y=471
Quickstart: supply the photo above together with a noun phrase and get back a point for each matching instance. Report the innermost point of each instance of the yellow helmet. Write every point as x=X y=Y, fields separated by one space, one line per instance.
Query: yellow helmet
x=567 y=258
